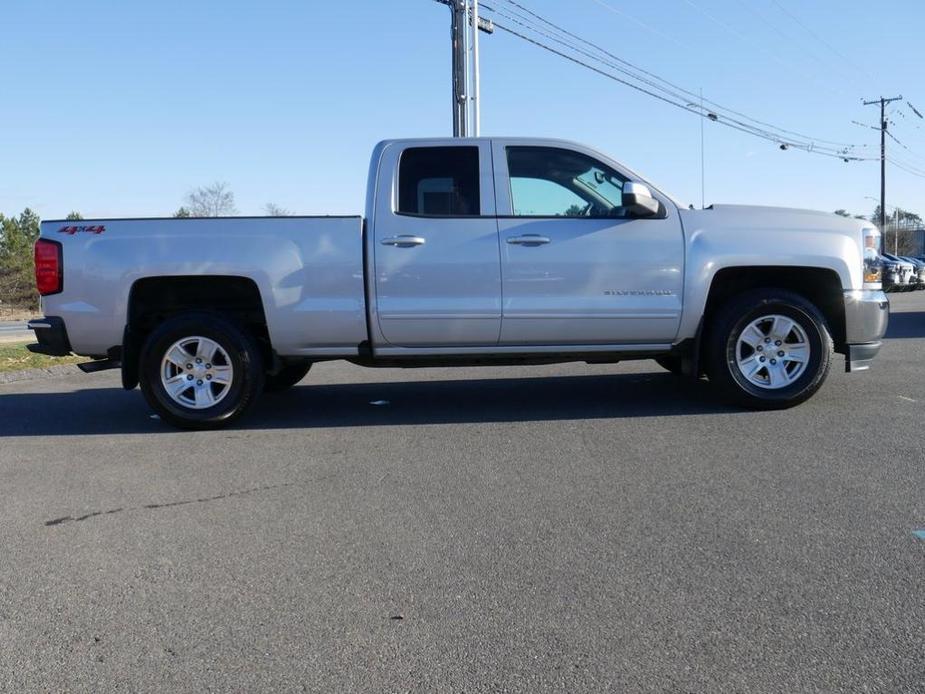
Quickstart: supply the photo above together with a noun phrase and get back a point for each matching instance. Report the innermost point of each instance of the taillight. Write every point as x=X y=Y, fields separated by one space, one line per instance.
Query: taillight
x=49 y=269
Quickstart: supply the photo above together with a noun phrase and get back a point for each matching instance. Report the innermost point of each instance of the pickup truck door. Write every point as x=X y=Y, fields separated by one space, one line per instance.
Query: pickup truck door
x=575 y=270
x=435 y=244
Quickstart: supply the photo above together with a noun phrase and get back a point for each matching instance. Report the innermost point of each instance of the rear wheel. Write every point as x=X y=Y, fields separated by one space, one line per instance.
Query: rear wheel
x=285 y=378
x=769 y=349
x=200 y=371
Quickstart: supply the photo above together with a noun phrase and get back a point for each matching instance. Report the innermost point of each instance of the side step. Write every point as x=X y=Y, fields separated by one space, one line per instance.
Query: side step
x=91 y=367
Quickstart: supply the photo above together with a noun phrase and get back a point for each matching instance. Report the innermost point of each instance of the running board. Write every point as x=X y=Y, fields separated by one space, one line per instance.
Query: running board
x=91 y=367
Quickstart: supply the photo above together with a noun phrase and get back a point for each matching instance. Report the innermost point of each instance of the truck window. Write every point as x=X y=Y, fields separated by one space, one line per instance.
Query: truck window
x=553 y=182
x=439 y=182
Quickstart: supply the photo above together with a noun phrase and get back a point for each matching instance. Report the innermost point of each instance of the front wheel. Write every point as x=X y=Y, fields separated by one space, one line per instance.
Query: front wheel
x=200 y=371
x=769 y=349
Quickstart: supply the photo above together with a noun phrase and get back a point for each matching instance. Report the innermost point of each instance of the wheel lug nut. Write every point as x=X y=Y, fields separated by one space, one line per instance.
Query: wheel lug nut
x=761 y=359
x=190 y=377
x=208 y=377
x=189 y=366
x=778 y=343
x=774 y=361
x=767 y=340
x=780 y=354
x=760 y=348
x=208 y=366
x=199 y=382
x=199 y=361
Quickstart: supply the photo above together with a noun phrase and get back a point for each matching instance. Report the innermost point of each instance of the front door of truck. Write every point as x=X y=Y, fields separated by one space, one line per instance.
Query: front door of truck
x=577 y=269
x=437 y=262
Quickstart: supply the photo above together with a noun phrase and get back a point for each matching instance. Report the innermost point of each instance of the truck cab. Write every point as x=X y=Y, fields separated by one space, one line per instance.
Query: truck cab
x=517 y=245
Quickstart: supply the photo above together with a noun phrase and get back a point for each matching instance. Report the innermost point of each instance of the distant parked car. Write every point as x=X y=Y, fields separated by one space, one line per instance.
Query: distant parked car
x=919 y=276
x=897 y=274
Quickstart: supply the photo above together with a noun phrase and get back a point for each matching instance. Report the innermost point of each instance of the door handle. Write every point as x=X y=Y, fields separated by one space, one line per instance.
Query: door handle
x=528 y=240
x=404 y=241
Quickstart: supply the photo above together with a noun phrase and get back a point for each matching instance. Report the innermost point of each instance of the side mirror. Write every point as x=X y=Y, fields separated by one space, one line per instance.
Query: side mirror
x=638 y=200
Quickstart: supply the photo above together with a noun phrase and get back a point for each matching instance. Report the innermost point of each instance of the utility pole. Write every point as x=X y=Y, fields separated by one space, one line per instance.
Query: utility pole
x=883 y=102
x=460 y=59
x=476 y=86
x=466 y=75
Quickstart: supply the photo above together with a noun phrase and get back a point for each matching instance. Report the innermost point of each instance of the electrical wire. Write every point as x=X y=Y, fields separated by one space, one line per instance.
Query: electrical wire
x=908 y=169
x=751 y=44
x=729 y=124
x=745 y=4
x=781 y=135
x=693 y=95
x=670 y=93
x=821 y=39
x=903 y=145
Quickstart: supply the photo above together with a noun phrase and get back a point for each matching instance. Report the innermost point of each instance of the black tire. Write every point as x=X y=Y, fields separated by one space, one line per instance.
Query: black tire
x=671 y=363
x=722 y=344
x=287 y=377
x=244 y=359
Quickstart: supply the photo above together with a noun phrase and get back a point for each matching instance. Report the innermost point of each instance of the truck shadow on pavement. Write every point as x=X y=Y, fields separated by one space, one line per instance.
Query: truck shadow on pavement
x=906 y=324
x=114 y=411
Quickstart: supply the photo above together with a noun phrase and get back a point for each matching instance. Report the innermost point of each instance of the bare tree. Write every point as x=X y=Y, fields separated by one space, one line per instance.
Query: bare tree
x=215 y=200
x=274 y=210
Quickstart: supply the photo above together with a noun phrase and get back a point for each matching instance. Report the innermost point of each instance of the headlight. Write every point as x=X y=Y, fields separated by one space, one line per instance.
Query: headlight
x=873 y=263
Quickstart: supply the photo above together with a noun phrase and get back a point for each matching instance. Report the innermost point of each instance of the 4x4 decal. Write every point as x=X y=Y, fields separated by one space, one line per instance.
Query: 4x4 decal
x=70 y=230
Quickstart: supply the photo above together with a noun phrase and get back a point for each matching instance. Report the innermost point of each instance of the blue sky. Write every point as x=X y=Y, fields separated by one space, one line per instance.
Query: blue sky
x=120 y=108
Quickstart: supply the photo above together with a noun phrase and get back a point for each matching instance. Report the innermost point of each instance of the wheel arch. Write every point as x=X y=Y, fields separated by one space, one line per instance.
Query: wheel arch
x=820 y=285
x=154 y=299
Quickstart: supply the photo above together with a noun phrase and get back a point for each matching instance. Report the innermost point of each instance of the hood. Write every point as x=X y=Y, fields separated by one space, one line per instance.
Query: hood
x=746 y=218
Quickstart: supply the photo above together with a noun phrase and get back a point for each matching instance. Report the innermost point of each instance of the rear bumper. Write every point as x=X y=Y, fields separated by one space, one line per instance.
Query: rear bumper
x=51 y=334
x=867 y=314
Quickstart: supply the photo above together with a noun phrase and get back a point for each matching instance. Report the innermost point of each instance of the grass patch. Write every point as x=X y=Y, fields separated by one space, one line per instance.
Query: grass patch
x=15 y=357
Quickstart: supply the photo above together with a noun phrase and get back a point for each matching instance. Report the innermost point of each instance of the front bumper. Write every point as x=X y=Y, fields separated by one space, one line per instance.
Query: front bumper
x=867 y=314
x=51 y=334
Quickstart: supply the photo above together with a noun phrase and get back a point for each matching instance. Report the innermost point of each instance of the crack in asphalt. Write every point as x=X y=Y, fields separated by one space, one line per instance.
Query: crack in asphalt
x=169 y=504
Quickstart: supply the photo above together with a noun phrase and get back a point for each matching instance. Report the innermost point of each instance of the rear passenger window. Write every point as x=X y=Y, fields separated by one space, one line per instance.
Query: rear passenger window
x=439 y=182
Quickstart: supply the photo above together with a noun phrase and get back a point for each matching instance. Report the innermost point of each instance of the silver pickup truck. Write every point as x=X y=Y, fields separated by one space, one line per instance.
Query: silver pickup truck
x=472 y=251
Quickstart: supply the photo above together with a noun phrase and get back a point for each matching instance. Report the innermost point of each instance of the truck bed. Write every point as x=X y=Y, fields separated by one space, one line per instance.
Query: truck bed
x=309 y=271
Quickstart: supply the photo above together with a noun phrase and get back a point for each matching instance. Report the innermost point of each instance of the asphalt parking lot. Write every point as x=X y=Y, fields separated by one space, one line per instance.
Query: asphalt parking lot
x=569 y=528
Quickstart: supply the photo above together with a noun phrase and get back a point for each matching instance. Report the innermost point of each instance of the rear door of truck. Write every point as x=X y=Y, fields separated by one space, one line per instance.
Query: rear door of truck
x=435 y=244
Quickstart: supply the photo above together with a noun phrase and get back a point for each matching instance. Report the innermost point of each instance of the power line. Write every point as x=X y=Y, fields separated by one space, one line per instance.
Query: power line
x=904 y=167
x=641 y=23
x=771 y=25
x=751 y=44
x=901 y=144
x=822 y=40
x=811 y=141
x=786 y=138
x=689 y=93
x=785 y=143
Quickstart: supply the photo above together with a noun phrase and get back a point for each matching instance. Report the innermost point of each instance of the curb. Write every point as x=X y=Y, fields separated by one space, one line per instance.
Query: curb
x=33 y=374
